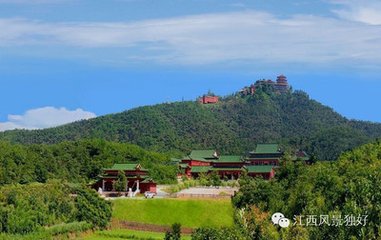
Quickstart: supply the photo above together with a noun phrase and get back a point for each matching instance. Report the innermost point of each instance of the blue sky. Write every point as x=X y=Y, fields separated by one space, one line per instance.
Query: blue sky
x=64 y=60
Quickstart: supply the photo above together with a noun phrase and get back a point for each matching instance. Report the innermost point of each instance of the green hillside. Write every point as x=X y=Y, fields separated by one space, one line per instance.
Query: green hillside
x=234 y=125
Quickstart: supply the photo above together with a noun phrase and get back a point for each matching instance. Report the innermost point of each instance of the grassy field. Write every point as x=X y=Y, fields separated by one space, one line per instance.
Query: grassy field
x=189 y=213
x=119 y=234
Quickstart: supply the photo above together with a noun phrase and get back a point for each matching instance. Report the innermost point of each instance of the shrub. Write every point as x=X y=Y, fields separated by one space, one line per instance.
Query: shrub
x=69 y=228
x=217 y=234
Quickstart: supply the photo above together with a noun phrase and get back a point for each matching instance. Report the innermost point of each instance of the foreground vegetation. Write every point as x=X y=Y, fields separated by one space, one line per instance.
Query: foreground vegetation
x=41 y=211
x=191 y=213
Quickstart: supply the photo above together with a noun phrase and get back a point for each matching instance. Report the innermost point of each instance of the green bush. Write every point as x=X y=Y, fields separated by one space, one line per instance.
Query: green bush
x=69 y=228
x=217 y=234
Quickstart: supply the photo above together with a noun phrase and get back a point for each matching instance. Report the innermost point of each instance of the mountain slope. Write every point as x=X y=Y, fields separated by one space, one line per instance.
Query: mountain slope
x=234 y=125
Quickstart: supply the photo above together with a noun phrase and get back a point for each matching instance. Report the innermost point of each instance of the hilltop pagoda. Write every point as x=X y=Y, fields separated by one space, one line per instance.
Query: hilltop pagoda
x=281 y=84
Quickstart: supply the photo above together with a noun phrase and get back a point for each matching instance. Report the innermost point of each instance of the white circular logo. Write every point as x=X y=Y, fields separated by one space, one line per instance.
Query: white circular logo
x=284 y=222
x=276 y=217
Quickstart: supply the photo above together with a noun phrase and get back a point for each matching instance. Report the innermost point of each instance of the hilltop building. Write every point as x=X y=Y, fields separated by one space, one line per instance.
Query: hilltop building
x=280 y=86
x=248 y=90
x=208 y=99
x=137 y=179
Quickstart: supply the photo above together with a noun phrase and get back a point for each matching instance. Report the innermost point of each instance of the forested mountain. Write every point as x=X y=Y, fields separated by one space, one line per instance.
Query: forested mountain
x=234 y=125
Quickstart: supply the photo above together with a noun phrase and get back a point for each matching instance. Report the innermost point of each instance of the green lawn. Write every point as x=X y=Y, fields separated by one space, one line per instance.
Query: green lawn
x=119 y=234
x=189 y=213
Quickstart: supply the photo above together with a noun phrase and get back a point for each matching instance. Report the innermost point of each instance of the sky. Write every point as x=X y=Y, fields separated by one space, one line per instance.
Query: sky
x=66 y=60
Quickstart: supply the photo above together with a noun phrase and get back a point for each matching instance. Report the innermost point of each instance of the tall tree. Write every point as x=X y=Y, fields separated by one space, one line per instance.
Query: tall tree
x=120 y=184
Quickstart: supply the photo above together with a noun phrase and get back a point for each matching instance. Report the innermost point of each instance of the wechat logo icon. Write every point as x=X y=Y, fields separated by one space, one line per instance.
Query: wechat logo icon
x=279 y=219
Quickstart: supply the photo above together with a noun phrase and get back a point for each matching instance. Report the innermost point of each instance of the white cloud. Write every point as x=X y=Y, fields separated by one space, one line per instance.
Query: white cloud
x=44 y=118
x=209 y=38
x=365 y=11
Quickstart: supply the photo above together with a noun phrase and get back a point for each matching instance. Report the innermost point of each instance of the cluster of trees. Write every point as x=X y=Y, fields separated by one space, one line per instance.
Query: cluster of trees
x=349 y=187
x=234 y=126
x=51 y=207
x=79 y=161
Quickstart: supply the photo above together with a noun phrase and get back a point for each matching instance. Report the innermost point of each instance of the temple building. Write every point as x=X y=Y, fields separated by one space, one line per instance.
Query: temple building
x=281 y=84
x=248 y=90
x=200 y=158
x=208 y=99
x=266 y=172
x=259 y=163
x=265 y=154
x=138 y=180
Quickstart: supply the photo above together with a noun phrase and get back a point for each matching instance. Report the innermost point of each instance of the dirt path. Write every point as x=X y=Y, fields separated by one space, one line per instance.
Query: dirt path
x=207 y=192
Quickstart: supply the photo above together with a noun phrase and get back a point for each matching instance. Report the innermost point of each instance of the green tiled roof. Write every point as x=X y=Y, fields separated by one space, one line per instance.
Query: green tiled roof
x=201 y=154
x=127 y=175
x=267 y=148
x=183 y=165
x=259 y=169
x=227 y=169
x=230 y=158
x=200 y=169
x=261 y=158
x=124 y=167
